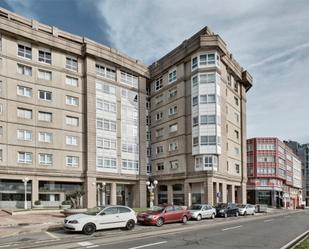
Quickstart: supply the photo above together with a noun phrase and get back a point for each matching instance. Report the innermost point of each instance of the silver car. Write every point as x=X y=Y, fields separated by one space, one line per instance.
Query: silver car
x=246 y=209
x=200 y=211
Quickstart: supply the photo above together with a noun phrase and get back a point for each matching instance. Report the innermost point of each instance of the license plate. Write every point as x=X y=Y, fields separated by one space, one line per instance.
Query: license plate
x=141 y=219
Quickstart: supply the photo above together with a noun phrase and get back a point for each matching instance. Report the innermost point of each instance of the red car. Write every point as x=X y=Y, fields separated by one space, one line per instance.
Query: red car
x=159 y=215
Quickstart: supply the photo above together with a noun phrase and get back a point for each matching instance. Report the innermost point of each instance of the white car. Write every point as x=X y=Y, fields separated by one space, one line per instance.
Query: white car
x=101 y=218
x=246 y=209
x=200 y=211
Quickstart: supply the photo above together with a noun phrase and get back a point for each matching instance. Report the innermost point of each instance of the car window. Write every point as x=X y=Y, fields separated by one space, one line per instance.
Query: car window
x=124 y=210
x=110 y=210
x=169 y=209
x=177 y=208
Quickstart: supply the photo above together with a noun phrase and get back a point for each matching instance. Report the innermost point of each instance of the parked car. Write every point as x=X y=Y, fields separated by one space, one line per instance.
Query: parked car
x=158 y=215
x=245 y=209
x=101 y=218
x=227 y=209
x=200 y=211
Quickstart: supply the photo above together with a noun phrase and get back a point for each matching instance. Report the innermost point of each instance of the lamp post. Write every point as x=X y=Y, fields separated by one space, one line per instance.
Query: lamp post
x=25 y=181
x=151 y=185
x=100 y=188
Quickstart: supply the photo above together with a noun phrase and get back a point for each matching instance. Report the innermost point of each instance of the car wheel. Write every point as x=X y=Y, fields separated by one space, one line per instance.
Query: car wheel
x=199 y=217
x=225 y=215
x=245 y=213
x=253 y=213
x=159 y=222
x=236 y=214
x=89 y=228
x=130 y=225
x=213 y=216
x=184 y=219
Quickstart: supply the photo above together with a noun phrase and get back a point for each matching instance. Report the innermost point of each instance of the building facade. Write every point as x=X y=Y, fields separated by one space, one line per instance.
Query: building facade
x=75 y=114
x=302 y=150
x=274 y=173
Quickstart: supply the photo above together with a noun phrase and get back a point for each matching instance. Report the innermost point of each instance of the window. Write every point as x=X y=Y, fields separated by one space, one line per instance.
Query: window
x=129 y=79
x=105 y=124
x=208 y=140
x=129 y=164
x=71 y=81
x=45 y=55
x=208 y=78
x=45 y=137
x=149 y=168
x=24 y=91
x=207 y=161
x=236 y=101
x=207 y=59
x=158 y=84
x=194 y=63
x=71 y=140
x=237 y=168
x=71 y=63
x=159 y=99
x=25 y=50
x=45 y=159
x=129 y=147
x=208 y=119
x=160 y=166
x=236 y=149
x=106 y=162
x=74 y=121
x=195 y=80
x=265 y=159
x=1 y=130
x=195 y=100
x=105 y=88
x=148 y=152
x=25 y=70
x=105 y=72
x=72 y=161
x=148 y=120
x=24 y=157
x=173 y=110
x=148 y=105
x=148 y=135
x=172 y=76
x=24 y=135
x=106 y=143
x=207 y=98
x=1 y=151
x=159 y=149
x=174 y=164
x=159 y=115
x=265 y=147
x=24 y=113
x=173 y=146
x=70 y=100
x=173 y=127
x=172 y=92
x=44 y=75
x=45 y=95
x=236 y=117
x=159 y=132
x=106 y=106
x=236 y=134
x=195 y=121
x=195 y=141
x=45 y=116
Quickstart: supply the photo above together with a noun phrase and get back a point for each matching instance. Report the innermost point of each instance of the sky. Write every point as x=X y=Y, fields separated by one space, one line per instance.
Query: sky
x=268 y=38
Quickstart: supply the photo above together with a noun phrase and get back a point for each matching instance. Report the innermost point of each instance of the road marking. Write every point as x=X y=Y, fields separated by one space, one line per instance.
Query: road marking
x=230 y=228
x=294 y=241
x=92 y=246
x=52 y=235
x=85 y=243
x=147 y=245
x=5 y=246
x=268 y=220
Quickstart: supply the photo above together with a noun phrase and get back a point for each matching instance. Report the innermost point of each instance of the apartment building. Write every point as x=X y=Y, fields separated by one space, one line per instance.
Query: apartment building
x=302 y=151
x=274 y=173
x=198 y=123
x=75 y=114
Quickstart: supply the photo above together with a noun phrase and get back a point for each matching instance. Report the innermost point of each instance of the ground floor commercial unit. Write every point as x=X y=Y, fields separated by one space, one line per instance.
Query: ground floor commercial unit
x=275 y=197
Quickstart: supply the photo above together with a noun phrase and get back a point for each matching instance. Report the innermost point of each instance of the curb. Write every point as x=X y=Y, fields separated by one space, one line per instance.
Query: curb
x=296 y=241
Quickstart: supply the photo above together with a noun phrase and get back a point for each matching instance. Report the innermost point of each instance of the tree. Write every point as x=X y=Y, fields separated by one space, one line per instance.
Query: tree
x=75 y=197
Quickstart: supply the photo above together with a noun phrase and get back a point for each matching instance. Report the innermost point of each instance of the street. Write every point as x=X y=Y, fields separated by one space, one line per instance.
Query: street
x=260 y=231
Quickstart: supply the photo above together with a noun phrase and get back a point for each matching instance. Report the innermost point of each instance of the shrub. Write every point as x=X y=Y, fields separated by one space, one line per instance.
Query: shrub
x=37 y=202
x=66 y=202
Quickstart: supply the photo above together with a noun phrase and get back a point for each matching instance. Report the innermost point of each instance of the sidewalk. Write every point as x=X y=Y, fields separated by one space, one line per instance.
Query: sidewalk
x=19 y=224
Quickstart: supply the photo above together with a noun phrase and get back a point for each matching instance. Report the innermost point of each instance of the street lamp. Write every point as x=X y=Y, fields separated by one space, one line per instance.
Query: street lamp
x=25 y=180
x=100 y=188
x=151 y=185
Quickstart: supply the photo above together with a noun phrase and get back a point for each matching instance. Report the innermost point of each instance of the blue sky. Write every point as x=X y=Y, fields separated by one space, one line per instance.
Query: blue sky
x=269 y=38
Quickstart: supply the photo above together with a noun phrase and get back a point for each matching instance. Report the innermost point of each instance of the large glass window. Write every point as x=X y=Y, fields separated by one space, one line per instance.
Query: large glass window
x=25 y=50
x=45 y=55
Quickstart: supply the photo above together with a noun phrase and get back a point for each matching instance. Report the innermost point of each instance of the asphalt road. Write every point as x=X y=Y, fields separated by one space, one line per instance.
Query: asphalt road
x=267 y=231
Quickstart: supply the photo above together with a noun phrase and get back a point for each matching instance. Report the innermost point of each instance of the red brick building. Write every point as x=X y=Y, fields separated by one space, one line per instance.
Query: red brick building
x=274 y=173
